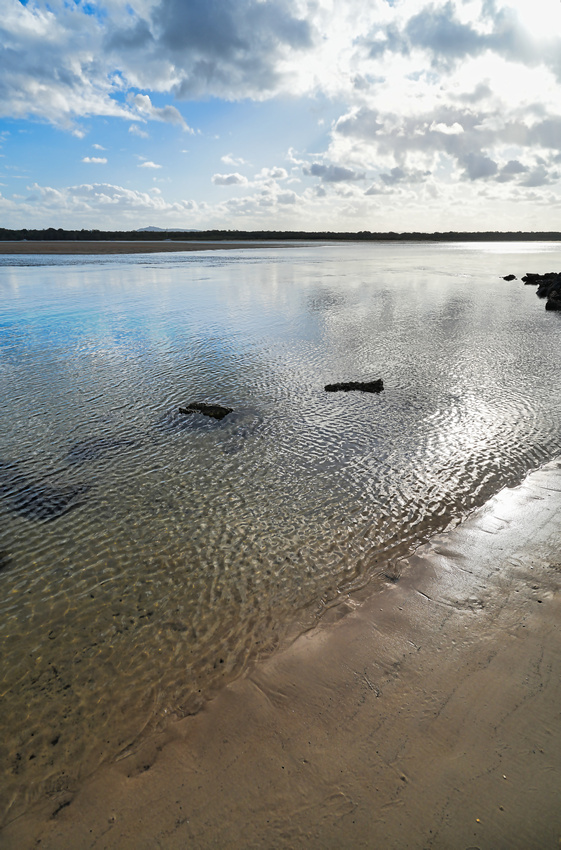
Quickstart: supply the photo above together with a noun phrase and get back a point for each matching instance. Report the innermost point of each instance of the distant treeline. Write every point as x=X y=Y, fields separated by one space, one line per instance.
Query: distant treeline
x=51 y=234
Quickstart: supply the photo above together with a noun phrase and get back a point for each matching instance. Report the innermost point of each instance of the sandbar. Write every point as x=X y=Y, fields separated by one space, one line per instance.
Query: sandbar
x=110 y=247
x=424 y=715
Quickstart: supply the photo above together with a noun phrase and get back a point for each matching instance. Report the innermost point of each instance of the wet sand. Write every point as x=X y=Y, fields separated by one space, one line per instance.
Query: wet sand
x=424 y=716
x=108 y=247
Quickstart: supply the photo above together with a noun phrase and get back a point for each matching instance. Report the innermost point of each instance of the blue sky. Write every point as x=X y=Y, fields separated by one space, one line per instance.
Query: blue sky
x=281 y=114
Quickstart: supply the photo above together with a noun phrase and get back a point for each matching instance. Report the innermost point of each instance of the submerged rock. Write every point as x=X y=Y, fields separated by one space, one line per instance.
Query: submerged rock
x=215 y=411
x=509 y=277
x=364 y=386
x=37 y=500
x=96 y=448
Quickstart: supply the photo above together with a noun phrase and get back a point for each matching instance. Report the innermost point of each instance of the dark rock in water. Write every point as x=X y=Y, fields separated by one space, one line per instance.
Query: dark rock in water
x=534 y=278
x=216 y=411
x=509 y=277
x=365 y=386
x=96 y=448
x=548 y=286
x=232 y=433
x=37 y=499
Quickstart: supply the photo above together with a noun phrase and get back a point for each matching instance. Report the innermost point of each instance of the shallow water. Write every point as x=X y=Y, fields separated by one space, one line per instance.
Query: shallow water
x=146 y=556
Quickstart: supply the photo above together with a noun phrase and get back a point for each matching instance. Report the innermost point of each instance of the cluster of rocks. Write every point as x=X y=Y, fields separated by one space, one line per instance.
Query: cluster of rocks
x=548 y=286
x=217 y=411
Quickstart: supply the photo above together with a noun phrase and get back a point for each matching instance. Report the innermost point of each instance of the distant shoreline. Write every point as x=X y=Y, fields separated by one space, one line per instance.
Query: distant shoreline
x=174 y=240
x=120 y=247
x=134 y=242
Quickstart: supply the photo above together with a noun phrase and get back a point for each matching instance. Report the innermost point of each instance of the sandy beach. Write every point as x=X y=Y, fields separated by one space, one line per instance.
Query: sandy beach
x=107 y=247
x=424 y=716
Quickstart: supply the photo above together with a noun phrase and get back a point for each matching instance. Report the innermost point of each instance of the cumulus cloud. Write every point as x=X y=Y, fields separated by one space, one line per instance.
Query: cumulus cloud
x=440 y=29
x=84 y=203
x=538 y=176
x=400 y=175
x=406 y=206
x=234 y=179
x=361 y=122
x=449 y=129
x=230 y=159
x=287 y=198
x=275 y=173
x=479 y=165
x=147 y=111
x=453 y=139
x=377 y=190
x=99 y=160
x=510 y=170
x=50 y=66
x=432 y=94
x=332 y=173
x=223 y=48
x=135 y=130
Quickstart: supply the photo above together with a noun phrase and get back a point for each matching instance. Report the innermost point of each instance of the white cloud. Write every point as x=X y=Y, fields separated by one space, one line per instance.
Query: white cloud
x=450 y=129
x=229 y=159
x=436 y=97
x=403 y=206
x=135 y=130
x=275 y=173
x=332 y=173
x=146 y=111
x=234 y=179
x=287 y=198
x=98 y=160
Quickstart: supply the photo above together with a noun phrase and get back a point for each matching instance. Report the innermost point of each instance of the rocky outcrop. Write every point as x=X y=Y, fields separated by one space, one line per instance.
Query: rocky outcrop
x=364 y=386
x=215 y=411
x=509 y=277
x=548 y=286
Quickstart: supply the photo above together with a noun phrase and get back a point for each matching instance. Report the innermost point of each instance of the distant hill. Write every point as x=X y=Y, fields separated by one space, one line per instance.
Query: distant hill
x=153 y=229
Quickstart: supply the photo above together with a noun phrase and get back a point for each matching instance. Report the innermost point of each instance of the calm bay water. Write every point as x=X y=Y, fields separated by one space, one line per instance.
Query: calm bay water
x=146 y=556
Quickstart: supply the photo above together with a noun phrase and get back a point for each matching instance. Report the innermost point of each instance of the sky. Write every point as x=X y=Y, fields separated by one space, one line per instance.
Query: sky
x=341 y=115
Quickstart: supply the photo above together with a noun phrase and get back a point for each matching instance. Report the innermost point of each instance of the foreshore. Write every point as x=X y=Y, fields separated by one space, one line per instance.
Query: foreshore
x=427 y=715
x=140 y=247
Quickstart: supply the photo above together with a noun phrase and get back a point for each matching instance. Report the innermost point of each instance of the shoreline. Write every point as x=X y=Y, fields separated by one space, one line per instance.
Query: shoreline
x=109 y=247
x=422 y=716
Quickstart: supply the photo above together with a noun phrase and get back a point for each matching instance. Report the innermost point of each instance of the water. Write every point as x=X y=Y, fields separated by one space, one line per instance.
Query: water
x=145 y=556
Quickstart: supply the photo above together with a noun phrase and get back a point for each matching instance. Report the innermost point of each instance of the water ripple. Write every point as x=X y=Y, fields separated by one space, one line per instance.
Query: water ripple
x=192 y=545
